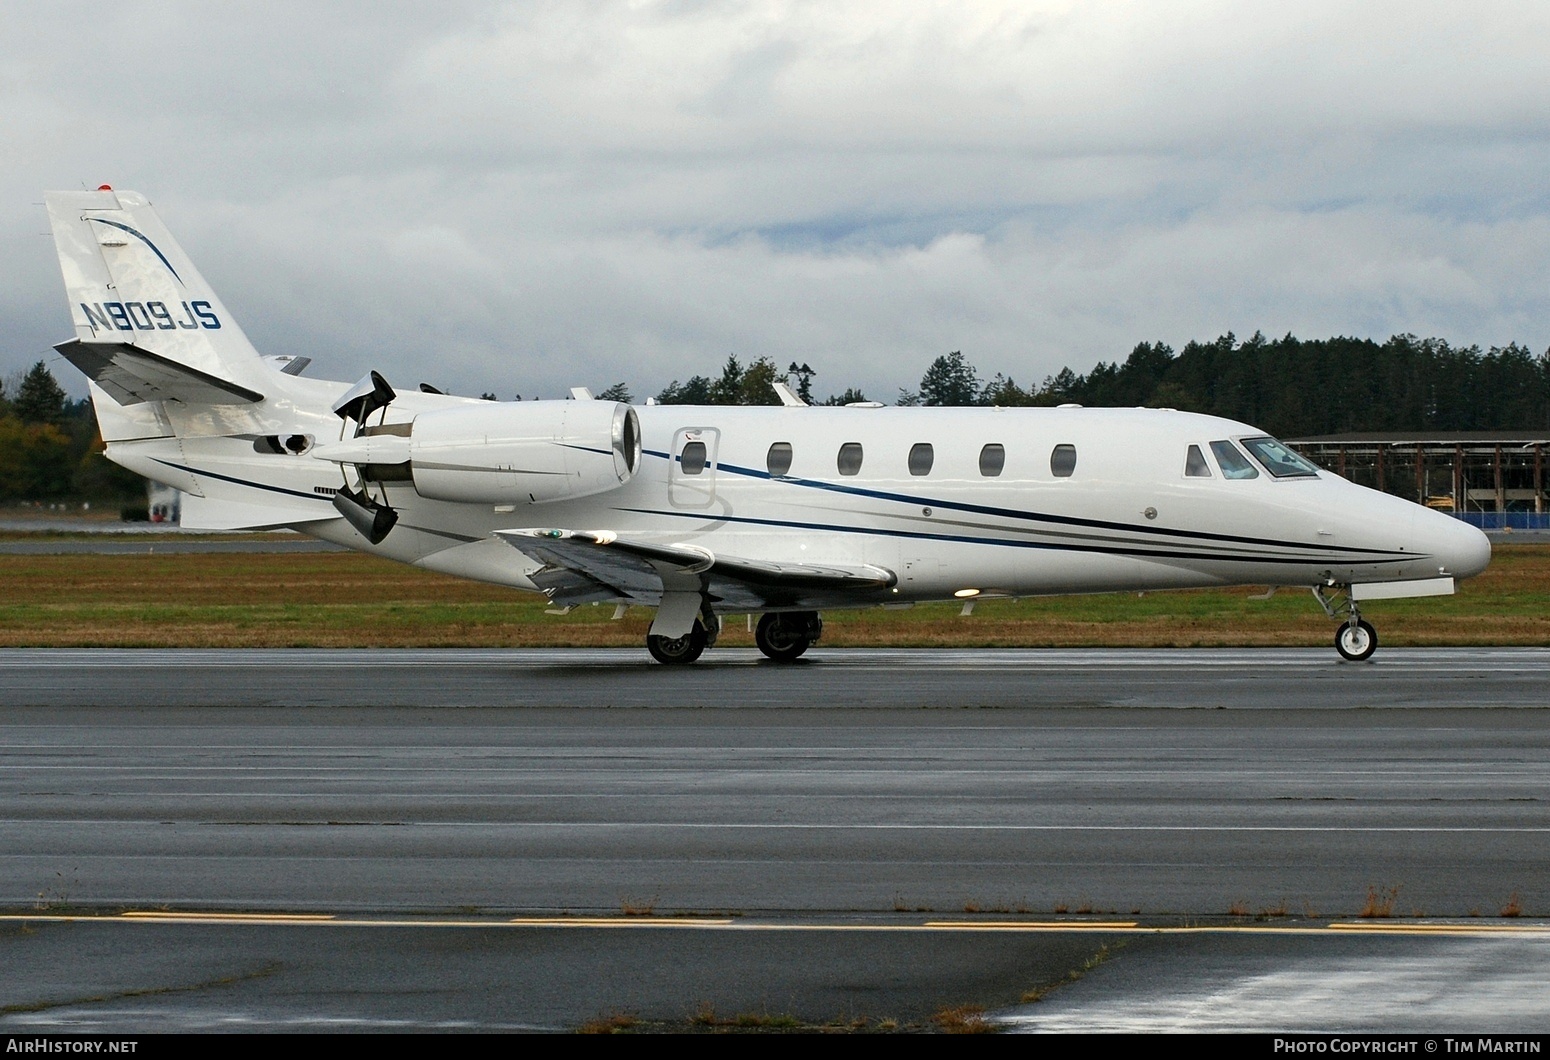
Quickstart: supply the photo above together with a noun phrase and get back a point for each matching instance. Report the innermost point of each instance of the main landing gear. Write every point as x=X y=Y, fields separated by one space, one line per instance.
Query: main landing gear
x=1355 y=640
x=681 y=651
x=784 y=636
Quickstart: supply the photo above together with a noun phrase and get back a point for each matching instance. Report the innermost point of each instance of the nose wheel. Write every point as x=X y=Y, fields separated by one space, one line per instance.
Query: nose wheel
x=1356 y=642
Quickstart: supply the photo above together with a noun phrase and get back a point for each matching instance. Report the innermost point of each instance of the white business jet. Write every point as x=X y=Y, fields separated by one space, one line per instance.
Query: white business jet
x=705 y=513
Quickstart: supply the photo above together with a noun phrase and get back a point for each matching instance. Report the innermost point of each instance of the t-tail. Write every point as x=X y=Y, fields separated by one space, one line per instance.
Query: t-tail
x=181 y=395
x=147 y=325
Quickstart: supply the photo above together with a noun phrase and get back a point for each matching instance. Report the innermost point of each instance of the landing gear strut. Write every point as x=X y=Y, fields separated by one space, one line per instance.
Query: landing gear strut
x=784 y=636
x=1355 y=640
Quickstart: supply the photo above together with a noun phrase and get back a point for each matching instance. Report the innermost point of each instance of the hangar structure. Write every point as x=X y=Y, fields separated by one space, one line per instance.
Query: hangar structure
x=1493 y=479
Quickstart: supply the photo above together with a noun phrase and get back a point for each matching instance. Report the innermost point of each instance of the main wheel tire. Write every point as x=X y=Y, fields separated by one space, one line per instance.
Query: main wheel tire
x=779 y=640
x=1356 y=642
x=678 y=651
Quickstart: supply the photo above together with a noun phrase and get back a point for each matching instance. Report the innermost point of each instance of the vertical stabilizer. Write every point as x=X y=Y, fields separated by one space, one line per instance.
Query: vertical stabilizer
x=131 y=285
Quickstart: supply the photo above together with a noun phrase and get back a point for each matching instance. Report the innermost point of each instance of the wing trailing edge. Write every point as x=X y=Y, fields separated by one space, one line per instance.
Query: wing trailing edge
x=581 y=566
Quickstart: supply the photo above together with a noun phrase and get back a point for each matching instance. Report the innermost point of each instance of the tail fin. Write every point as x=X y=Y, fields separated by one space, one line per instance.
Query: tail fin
x=147 y=325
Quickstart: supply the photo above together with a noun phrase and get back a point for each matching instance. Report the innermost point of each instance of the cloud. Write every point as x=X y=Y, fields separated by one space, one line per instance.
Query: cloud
x=530 y=196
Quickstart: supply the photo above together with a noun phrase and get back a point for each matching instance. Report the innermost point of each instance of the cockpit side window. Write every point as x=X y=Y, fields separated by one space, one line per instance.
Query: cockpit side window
x=1234 y=464
x=1195 y=465
x=1278 y=459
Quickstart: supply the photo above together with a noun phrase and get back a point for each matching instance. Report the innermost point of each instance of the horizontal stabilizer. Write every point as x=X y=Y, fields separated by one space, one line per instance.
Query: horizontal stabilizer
x=578 y=561
x=132 y=375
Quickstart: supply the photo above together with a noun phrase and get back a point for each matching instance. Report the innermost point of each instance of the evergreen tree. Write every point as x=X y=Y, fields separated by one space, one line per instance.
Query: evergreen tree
x=617 y=392
x=804 y=377
x=728 y=390
x=951 y=380
x=851 y=396
x=695 y=392
x=1003 y=391
x=40 y=399
x=756 y=386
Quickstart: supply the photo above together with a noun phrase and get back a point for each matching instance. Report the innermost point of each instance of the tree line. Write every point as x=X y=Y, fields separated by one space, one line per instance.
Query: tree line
x=50 y=449
x=1288 y=386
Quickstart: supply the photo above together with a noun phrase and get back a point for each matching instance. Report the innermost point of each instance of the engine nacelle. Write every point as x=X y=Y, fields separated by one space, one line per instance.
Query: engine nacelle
x=523 y=452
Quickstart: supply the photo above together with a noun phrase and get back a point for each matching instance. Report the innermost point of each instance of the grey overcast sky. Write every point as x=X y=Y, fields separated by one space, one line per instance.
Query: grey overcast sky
x=521 y=197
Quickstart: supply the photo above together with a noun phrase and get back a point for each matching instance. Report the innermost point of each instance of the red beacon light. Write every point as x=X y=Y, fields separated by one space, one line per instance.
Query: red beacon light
x=104 y=187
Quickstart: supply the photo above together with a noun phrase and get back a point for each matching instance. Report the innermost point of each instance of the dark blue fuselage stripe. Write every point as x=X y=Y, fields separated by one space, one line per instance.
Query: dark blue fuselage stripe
x=1062 y=520
x=245 y=482
x=141 y=237
x=1048 y=546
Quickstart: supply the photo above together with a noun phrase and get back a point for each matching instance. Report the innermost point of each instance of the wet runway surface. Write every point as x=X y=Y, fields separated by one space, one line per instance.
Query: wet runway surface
x=840 y=808
x=733 y=679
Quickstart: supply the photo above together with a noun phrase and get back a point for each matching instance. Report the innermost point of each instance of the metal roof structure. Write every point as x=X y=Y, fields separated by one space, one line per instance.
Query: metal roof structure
x=1471 y=473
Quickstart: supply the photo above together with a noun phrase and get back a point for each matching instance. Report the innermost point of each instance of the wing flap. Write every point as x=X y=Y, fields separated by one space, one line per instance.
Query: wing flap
x=642 y=570
x=132 y=375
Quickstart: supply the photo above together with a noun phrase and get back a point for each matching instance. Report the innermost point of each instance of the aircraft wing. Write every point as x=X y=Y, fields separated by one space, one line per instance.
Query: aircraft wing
x=581 y=566
x=131 y=375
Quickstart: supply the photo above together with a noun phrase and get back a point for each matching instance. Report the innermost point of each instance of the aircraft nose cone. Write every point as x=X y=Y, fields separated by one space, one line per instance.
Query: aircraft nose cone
x=1460 y=548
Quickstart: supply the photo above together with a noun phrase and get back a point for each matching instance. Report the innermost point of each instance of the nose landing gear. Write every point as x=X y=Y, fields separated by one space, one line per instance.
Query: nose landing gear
x=1356 y=640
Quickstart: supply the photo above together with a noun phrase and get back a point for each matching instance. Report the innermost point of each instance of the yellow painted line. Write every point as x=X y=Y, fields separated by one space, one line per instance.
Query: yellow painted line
x=226 y=918
x=158 y=914
x=619 y=921
x=1441 y=929
x=1033 y=925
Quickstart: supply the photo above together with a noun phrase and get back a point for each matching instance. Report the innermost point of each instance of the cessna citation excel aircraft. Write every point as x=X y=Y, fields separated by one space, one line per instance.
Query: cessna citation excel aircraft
x=703 y=513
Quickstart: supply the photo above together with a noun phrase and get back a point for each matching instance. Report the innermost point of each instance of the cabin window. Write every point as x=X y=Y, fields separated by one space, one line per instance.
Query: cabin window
x=921 y=457
x=1234 y=464
x=1278 y=459
x=778 y=460
x=992 y=459
x=693 y=458
x=1062 y=462
x=1195 y=465
x=849 y=462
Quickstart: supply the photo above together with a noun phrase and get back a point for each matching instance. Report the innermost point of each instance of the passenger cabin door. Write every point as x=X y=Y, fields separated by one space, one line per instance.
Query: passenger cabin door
x=691 y=477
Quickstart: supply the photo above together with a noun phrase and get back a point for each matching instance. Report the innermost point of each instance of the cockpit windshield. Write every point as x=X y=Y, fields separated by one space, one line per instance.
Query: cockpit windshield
x=1278 y=459
x=1232 y=462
